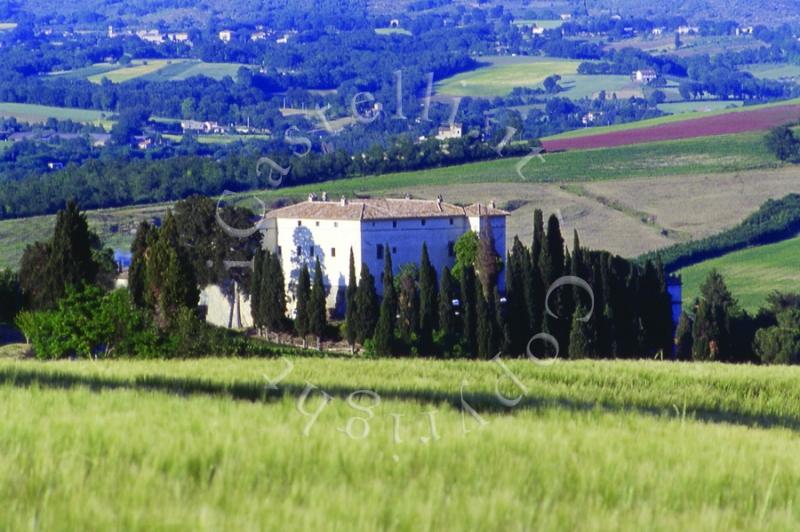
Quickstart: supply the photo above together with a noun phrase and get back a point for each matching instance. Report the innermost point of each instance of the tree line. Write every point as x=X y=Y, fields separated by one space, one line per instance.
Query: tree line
x=461 y=312
x=774 y=221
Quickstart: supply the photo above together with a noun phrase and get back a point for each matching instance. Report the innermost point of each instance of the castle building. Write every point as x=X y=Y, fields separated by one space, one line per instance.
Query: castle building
x=328 y=230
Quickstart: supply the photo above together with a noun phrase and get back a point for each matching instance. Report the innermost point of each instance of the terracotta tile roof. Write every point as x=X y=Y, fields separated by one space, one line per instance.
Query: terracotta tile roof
x=380 y=209
x=477 y=209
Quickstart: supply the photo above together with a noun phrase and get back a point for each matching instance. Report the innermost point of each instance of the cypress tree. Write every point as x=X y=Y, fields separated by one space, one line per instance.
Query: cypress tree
x=503 y=340
x=516 y=286
x=384 y=330
x=534 y=280
x=468 y=311
x=427 y=302
x=485 y=314
x=256 y=279
x=366 y=305
x=171 y=283
x=538 y=235
x=273 y=295
x=408 y=307
x=70 y=262
x=448 y=321
x=583 y=336
x=317 y=310
x=712 y=325
x=487 y=261
x=351 y=313
x=551 y=266
x=302 y=323
x=137 y=270
x=551 y=260
x=683 y=338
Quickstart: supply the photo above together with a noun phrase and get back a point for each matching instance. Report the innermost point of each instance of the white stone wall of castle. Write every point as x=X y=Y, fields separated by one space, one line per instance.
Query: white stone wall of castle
x=331 y=241
x=405 y=238
x=328 y=240
x=224 y=311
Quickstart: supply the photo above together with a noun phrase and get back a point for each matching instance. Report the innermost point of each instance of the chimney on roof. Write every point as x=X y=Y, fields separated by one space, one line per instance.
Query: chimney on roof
x=312 y=197
x=343 y=201
x=324 y=196
x=493 y=205
x=439 y=202
x=408 y=196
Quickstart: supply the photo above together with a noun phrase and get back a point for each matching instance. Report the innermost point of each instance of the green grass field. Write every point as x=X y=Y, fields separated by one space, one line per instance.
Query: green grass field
x=667 y=119
x=136 y=70
x=546 y=24
x=393 y=31
x=698 y=106
x=218 y=139
x=751 y=274
x=152 y=70
x=503 y=74
x=204 y=445
x=773 y=70
x=32 y=113
x=578 y=86
x=729 y=153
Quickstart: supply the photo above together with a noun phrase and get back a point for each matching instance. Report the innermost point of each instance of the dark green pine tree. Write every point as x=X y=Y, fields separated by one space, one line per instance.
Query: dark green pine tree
x=534 y=281
x=256 y=289
x=351 y=312
x=503 y=329
x=317 y=310
x=428 y=301
x=302 y=321
x=551 y=265
x=468 y=311
x=683 y=338
x=517 y=307
x=273 y=295
x=712 y=325
x=367 y=308
x=448 y=321
x=70 y=262
x=384 y=331
x=664 y=334
x=551 y=260
x=171 y=283
x=137 y=279
x=408 y=307
x=583 y=336
x=485 y=318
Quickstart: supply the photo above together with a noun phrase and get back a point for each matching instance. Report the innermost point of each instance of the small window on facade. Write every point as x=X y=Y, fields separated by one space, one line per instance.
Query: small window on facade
x=394 y=249
x=299 y=223
x=336 y=224
x=451 y=221
x=317 y=224
x=311 y=251
x=394 y=223
x=280 y=251
x=451 y=249
x=423 y=221
x=333 y=252
x=299 y=251
x=380 y=251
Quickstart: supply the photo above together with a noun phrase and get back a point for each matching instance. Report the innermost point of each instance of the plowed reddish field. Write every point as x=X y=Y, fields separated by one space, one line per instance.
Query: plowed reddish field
x=735 y=122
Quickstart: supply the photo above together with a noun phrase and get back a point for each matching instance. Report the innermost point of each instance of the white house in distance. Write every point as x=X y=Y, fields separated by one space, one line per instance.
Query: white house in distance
x=328 y=230
x=645 y=75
